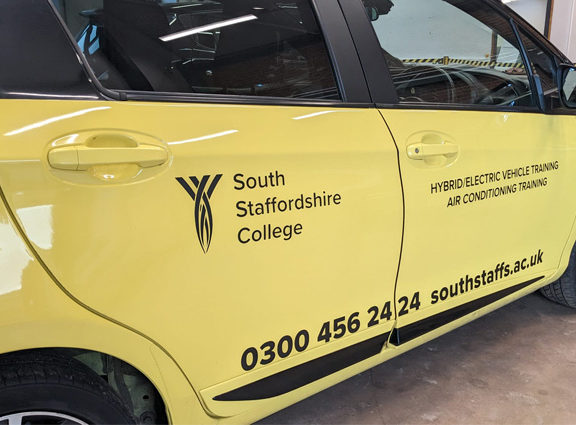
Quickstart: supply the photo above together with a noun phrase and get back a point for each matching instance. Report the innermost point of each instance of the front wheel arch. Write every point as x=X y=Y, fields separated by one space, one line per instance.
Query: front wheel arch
x=563 y=290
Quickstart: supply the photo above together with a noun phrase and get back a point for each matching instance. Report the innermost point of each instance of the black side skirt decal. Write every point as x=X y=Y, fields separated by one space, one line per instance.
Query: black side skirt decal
x=408 y=333
x=306 y=373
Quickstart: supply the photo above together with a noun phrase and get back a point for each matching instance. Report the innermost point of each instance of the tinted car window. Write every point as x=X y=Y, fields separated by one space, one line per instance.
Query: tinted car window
x=238 y=47
x=450 y=52
x=37 y=60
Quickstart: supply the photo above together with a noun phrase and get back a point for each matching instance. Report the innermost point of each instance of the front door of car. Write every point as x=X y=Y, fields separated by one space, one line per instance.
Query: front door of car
x=483 y=169
x=245 y=237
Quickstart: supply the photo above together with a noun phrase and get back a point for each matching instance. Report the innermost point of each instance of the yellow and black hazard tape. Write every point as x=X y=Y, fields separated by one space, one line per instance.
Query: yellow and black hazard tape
x=448 y=61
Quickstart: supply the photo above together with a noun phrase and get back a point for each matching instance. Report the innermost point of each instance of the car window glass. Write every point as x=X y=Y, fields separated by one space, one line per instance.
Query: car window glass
x=30 y=39
x=238 y=47
x=450 y=52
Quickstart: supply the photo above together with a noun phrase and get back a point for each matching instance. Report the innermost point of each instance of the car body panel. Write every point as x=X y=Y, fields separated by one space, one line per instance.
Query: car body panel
x=509 y=225
x=58 y=321
x=36 y=313
x=133 y=262
x=127 y=246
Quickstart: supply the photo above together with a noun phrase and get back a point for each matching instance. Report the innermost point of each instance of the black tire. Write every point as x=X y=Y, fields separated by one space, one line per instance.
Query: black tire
x=563 y=291
x=37 y=382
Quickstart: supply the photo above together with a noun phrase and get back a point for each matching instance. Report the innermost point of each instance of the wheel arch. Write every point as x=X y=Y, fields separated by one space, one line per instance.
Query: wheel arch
x=138 y=393
x=77 y=337
x=566 y=252
x=35 y=314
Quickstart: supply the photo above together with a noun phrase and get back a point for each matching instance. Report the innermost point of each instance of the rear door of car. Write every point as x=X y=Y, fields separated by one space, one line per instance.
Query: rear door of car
x=485 y=163
x=254 y=238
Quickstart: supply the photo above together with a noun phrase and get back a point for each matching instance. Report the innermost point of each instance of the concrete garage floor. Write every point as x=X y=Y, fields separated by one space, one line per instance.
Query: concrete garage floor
x=515 y=366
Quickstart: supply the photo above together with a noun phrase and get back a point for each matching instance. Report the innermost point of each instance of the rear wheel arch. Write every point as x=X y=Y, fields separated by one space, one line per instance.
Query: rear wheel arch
x=137 y=392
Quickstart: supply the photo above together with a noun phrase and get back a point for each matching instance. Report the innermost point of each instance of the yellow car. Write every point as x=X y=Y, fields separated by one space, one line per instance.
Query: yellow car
x=211 y=209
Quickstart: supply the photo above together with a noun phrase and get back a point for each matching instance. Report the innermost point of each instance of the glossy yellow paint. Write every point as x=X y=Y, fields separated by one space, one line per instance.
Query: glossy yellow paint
x=107 y=257
x=36 y=313
x=128 y=247
x=463 y=231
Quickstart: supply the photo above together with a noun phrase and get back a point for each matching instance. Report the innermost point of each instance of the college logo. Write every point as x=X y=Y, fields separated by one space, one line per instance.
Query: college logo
x=201 y=194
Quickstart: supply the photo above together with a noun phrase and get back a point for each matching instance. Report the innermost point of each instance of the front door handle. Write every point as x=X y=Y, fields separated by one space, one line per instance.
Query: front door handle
x=421 y=151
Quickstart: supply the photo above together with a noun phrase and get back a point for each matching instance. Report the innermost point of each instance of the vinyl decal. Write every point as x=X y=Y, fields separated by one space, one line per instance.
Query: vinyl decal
x=306 y=373
x=492 y=184
x=414 y=330
x=201 y=194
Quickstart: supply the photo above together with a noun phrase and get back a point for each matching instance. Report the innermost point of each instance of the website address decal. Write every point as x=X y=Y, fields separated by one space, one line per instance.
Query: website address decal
x=470 y=283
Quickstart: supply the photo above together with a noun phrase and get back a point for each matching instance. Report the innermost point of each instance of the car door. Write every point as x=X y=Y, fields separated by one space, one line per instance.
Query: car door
x=249 y=226
x=485 y=171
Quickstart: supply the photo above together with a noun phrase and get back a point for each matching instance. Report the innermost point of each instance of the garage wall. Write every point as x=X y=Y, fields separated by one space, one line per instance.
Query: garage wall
x=563 y=25
x=563 y=30
x=534 y=11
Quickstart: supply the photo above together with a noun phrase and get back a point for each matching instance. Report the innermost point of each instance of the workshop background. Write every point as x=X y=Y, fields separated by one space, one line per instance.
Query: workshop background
x=556 y=19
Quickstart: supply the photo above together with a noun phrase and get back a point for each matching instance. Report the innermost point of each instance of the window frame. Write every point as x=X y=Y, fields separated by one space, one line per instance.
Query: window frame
x=346 y=66
x=378 y=74
x=546 y=45
x=559 y=60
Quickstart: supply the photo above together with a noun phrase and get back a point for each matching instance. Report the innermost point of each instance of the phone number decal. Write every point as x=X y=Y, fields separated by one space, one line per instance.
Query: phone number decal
x=330 y=330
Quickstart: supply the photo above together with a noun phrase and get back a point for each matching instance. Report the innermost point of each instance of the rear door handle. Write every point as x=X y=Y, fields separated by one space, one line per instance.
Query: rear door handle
x=94 y=148
x=82 y=158
x=420 y=151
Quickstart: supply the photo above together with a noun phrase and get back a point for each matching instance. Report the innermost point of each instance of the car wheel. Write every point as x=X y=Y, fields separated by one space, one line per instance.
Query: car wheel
x=44 y=389
x=563 y=291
